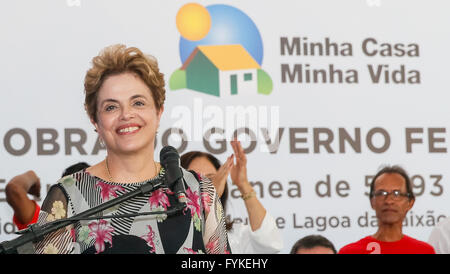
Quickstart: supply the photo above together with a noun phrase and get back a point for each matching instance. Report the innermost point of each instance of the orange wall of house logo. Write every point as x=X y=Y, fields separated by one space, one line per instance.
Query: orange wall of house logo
x=221 y=52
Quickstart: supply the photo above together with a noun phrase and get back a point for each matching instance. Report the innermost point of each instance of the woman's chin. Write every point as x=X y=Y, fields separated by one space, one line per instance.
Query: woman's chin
x=131 y=149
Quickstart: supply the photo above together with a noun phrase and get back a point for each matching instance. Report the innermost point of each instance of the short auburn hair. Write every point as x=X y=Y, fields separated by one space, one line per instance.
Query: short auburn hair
x=117 y=59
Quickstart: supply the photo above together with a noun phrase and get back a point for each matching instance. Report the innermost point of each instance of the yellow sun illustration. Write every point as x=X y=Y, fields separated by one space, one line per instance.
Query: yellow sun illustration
x=193 y=21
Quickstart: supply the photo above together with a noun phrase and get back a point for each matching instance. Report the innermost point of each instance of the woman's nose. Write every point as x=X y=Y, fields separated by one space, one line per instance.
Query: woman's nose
x=127 y=113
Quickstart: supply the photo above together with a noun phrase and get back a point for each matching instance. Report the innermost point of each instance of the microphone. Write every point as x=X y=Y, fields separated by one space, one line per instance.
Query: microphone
x=170 y=160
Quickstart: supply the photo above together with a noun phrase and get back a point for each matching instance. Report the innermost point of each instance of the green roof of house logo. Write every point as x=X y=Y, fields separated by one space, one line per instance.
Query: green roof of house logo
x=212 y=64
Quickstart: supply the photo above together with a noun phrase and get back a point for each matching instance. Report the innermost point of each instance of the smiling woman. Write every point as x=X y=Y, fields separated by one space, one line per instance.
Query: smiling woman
x=127 y=118
x=124 y=100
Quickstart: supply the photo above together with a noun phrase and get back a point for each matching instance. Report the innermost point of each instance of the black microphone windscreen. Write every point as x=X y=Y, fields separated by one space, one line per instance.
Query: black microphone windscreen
x=170 y=160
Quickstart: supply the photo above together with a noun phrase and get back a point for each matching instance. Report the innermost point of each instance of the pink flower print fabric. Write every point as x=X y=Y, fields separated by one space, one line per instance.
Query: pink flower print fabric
x=193 y=202
x=206 y=201
x=150 y=238
x=108 y=191
x=101 y=232
x=159 y=198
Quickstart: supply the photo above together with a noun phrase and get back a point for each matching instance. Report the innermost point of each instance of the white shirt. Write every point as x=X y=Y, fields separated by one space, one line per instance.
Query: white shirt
x=440 y=237
x=265 y=240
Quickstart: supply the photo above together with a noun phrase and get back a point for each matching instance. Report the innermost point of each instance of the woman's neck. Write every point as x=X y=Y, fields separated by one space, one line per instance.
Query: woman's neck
x=130 y=168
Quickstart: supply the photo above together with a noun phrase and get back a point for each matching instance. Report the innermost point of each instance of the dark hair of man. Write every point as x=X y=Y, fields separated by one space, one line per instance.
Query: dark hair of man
x=186 y=160
x=75 y=168
x=393 y=170
x=312 y=241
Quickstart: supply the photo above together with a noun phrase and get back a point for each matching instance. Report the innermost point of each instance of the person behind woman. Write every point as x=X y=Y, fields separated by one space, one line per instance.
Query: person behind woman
x=262 y=236
x=124 y=100
x=26 y=211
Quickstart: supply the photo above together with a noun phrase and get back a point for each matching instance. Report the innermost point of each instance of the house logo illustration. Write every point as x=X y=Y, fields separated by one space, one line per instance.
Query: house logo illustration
x=221 y=52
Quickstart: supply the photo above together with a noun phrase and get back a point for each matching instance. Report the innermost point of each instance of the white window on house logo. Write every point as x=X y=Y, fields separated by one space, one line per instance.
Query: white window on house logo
x=248 y=76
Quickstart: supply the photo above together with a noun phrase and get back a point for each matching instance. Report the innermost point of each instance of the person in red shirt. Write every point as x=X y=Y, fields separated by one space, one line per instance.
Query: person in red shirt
x=391 y=197
x=26 y=211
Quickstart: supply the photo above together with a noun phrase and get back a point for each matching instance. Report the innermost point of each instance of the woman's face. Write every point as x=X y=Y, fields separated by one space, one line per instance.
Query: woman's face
x=203 y=166
x=127 y=118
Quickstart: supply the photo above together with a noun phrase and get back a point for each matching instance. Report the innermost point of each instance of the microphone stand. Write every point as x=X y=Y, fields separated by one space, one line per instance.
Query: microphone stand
x=34 y=233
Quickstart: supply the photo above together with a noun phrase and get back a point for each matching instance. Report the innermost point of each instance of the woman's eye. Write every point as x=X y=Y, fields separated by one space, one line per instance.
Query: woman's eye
x=139 y=103
x=110 y=108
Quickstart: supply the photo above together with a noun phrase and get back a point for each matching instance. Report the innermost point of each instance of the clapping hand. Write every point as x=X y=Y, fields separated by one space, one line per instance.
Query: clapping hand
x=219 y=180
x=239 y=170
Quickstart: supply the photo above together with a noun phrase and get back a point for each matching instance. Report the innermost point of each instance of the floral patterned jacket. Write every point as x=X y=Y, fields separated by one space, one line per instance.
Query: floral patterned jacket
x=199 y=228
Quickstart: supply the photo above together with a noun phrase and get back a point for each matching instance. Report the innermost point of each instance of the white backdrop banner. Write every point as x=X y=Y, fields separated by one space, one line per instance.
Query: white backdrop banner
x=321 y=94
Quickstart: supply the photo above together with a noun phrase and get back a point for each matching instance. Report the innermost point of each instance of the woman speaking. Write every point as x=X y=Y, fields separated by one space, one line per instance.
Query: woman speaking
x=124 y=98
